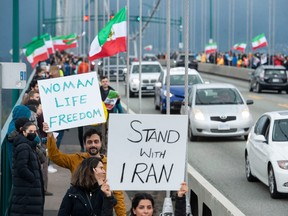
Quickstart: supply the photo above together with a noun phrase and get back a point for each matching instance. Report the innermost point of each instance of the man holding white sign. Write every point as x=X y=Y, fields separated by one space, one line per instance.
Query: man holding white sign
x=153 y=152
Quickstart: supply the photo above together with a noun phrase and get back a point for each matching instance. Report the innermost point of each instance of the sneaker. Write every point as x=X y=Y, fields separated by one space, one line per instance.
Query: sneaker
x=51 y=169
x=47 y=193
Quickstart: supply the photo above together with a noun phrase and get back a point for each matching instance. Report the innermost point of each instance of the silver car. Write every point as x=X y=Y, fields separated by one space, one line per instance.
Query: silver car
x=217 y=110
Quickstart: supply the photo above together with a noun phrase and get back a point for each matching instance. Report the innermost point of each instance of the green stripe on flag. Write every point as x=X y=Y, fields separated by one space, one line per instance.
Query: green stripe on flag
x=31 y=47
x=104 y=33
x=44 y=36
x=258 y=37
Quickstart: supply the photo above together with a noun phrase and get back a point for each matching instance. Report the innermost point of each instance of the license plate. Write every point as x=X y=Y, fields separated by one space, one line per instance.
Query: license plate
x=223 y=127
x=149 y=87
x=275 y=80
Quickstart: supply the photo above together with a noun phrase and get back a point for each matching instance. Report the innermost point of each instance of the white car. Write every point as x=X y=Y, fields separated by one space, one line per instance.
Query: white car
x=150 y=74
x=266 y=152
x=217 y=110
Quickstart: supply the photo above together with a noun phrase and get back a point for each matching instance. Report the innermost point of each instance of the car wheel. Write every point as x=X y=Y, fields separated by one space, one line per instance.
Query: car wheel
x=131 y=94
x=279 y=91
x=250 y=87
x=258 y=88
x=156 y=106
x=286 y=91
x=190 y=134
x=249 y=175
x=272 y=183
x=161 y=108
x=245 y=137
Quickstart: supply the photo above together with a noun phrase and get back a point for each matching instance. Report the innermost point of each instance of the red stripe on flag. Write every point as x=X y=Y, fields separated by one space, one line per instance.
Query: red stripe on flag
x=38 y=58
x=111 y=48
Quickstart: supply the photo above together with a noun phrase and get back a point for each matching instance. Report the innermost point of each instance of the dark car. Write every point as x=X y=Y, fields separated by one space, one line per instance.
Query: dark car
x=179 y=60
x=269 y=77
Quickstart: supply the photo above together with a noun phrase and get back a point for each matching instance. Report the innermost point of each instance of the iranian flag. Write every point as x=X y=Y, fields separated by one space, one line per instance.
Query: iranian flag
x=240 y=47
x=48 y=42
x=148 y=47
x=36 y=51
x=65 y=42
x=211 y=48
x=111 y=39
x=259 y=41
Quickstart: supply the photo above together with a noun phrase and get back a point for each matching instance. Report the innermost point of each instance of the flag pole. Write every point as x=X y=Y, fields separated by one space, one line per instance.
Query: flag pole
x=128 y=53
x=140 y=57
x=167 y=205
x=117 y=58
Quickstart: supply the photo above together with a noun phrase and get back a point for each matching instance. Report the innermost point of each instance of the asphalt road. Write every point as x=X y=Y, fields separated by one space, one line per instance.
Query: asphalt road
x=221 y=160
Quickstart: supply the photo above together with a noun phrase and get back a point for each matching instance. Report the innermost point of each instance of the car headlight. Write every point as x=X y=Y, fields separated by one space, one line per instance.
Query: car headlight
x=198 y=115
x=165 y=93
x=283 y=164
x=245 y=114
x=135 y=81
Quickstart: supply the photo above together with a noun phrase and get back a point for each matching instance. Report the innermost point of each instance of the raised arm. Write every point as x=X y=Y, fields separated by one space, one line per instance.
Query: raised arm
x=180 y=204
x=58 y=157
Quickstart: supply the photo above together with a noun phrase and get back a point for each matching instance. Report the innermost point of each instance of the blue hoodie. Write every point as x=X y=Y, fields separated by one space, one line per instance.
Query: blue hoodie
x=19 y=111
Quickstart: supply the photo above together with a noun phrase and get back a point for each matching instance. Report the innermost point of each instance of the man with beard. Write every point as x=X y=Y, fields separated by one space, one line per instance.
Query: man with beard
x=93 y=144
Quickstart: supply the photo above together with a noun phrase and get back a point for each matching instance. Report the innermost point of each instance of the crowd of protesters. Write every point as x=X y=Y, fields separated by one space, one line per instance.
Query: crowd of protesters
x=243 y=60
x=26 y=128
x=237 y=59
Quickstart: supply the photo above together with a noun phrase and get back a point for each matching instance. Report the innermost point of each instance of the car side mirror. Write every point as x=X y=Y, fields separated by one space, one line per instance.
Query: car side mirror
x=260 y=138
x=249 y=102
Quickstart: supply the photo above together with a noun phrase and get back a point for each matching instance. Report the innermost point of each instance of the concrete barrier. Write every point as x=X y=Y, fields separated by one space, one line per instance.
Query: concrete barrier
x=228 y=71
x=206 y=200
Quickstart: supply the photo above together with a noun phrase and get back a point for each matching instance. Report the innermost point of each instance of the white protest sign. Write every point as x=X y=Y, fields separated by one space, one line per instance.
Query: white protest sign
x=146 y=152
x=71 y=101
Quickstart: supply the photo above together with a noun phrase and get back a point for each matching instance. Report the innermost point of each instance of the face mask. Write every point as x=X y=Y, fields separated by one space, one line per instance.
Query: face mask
x=31 y=136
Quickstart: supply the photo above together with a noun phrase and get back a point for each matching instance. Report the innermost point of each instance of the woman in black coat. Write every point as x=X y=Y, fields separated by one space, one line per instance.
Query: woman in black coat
x=28 y=190
x=89 y=195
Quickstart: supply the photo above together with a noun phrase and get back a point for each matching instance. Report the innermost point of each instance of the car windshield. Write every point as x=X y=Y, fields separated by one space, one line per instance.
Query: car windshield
x=179 y=79
x=218 y=96
x=275 y=72
x=280 y=130
x=190 y=58
x=113 y=61
x=147 y=69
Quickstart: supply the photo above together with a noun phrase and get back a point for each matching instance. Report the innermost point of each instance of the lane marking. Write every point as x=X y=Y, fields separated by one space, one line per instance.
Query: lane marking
x=283 y=105
x=255 y=97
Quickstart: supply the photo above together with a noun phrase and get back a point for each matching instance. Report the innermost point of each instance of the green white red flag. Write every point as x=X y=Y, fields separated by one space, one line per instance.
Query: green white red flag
x=240 y=47
x=48 y=42
x=148 y=47
x=259 y=41
x=36 y=51
x=211 y=48
x=65 y=42
x=111 y=39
